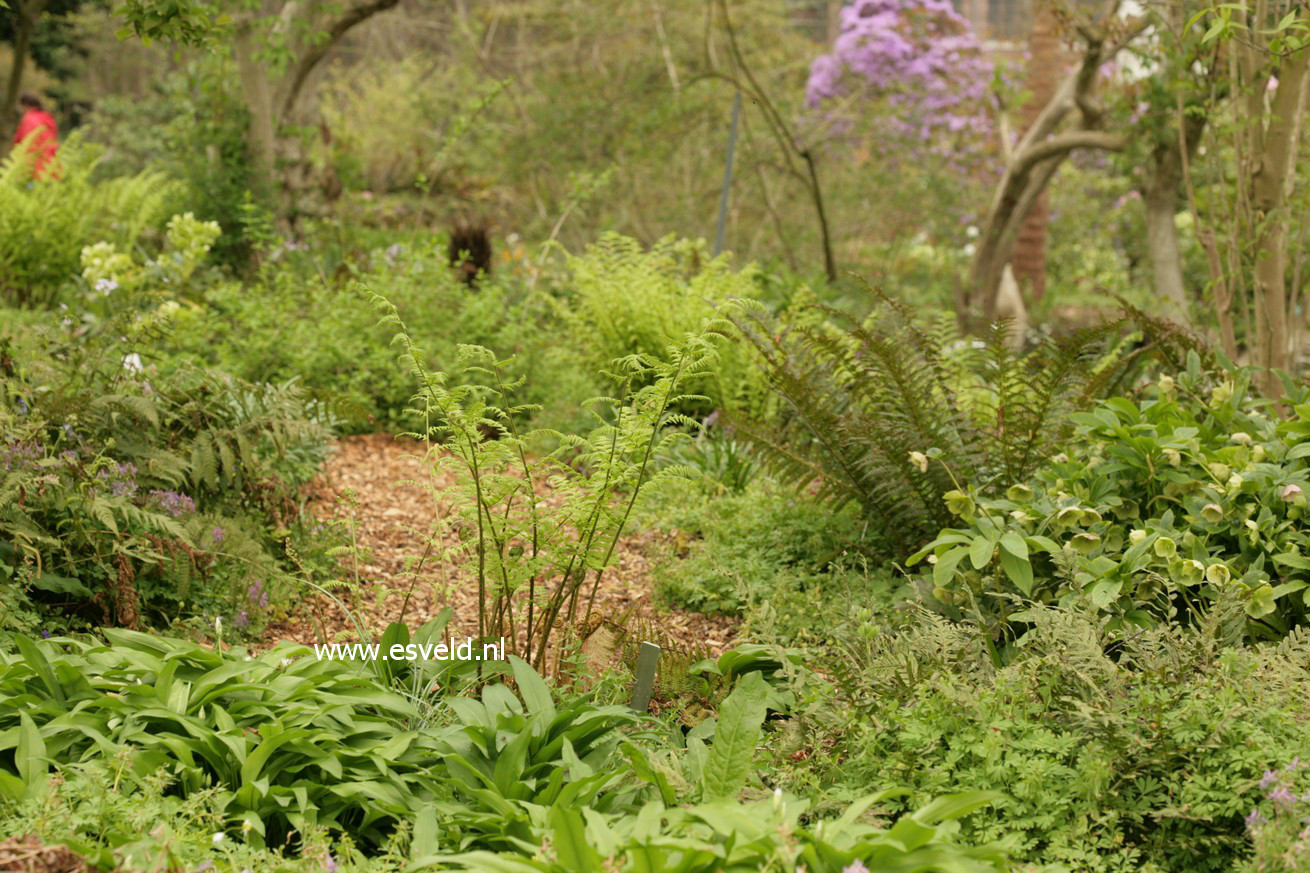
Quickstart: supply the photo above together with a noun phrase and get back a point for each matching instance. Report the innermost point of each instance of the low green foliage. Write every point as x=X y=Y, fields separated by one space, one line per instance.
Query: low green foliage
x=296 y=323
x=1157 y=506
x=45 y=223
x=768 y=545
x=277 y=749
x=1140 y=754
x=133 y=495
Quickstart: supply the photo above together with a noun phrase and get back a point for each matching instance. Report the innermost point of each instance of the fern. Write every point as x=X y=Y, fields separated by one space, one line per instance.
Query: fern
x=870 y=402
x=45 y=224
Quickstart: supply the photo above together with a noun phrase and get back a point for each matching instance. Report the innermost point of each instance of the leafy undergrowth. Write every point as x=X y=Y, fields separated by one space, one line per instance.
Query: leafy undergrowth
x=145 y=752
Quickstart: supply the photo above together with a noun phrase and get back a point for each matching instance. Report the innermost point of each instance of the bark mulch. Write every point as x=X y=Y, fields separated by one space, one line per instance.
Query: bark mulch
x=30 y=855
x=394 y=511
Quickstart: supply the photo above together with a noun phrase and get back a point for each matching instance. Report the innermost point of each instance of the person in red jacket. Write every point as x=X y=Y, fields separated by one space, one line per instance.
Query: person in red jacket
x=41 y=134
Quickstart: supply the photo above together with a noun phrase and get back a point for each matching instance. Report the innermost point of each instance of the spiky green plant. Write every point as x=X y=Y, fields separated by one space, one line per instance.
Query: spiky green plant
x=898 y=416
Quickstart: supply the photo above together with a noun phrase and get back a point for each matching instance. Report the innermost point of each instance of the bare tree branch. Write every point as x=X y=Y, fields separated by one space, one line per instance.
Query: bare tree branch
x=314 y=54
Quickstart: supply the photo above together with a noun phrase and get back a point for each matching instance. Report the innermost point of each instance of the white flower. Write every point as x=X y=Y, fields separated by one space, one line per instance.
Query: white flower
x=920 y=460
x=218 y=837
x=1242 y=439
x=969 y=249
x=971 y=232
x=132 y=363
x=106 y=286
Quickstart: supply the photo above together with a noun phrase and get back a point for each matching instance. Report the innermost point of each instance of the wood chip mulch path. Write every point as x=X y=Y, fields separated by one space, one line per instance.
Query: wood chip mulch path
x=394 y=510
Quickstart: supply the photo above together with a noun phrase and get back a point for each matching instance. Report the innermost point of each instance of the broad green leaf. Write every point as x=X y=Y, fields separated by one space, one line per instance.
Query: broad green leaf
x=425 y=839
x=944 y=570
x=533 y=688
x=738 y=733
x=1020 y=571
x=1293 y=559
x=31 y=755
x=40 y=665
x=980 y=552
x=1015 y=545
x=569 y=839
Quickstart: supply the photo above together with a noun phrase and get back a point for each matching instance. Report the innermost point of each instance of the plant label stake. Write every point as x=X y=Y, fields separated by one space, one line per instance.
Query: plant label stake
x=647 y=658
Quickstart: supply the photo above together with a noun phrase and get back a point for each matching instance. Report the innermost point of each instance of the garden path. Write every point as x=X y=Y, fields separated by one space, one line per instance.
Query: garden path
x=392 y=511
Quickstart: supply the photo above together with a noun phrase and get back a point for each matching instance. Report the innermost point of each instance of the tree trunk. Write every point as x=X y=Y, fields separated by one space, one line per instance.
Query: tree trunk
x=1032 y=163
x=257 y=92
x=1043 y=76
x=1271 y=184
x=27 y=15
x=272 y=101
x=1160 y=197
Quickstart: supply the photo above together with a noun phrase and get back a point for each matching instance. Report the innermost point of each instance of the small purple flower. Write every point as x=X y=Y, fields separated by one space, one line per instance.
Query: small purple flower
x=242 y=620
x=174 y=503
x=330 y=866
x=1294 y=764
x=258 y=596
x=1282 y=797
x=1270 y=777
x=45 y=634
x=22 y=406
x=68 y=456
x=216 y=535
x=1255 y=819
x=21 y=456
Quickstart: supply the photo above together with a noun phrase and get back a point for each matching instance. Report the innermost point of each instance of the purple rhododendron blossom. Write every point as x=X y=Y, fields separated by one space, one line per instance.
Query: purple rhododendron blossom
x=921 y=58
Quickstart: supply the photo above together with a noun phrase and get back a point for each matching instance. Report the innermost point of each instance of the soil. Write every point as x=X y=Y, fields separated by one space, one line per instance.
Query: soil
x=386 y=480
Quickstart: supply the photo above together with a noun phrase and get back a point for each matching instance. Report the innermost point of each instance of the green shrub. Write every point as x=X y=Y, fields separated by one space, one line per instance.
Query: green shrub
x=1157 y=506
x=130 y=495
x=44 y=224
x=1138 y=754
x=765 y=545
x=292 y=325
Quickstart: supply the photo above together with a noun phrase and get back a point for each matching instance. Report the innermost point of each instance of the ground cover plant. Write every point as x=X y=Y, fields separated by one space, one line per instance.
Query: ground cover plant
x=653 y=436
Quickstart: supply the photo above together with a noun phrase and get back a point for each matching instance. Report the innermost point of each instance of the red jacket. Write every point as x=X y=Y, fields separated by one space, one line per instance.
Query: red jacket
x=39 y=130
